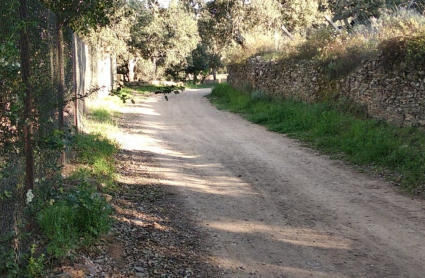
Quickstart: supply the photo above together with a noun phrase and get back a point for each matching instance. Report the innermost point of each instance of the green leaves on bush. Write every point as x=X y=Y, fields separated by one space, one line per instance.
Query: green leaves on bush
x=170 y=89
x=415 y=50
x=24 y=265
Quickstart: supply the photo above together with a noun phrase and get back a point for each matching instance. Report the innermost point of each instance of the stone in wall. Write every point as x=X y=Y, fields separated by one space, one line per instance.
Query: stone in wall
x=394 y=94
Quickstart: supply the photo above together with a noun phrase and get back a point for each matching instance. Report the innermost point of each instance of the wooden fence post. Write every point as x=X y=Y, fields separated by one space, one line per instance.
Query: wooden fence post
x=26 y=75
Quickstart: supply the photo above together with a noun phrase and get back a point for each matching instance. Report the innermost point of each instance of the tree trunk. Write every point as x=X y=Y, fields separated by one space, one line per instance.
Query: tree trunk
x=195 y=78
x=131 y=66
x=215 y=74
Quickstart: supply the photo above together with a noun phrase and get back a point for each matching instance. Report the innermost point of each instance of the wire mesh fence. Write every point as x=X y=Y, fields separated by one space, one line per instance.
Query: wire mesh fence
x=63 y=70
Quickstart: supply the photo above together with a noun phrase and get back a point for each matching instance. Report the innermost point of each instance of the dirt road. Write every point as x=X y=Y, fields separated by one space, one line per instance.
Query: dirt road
x=270 y=207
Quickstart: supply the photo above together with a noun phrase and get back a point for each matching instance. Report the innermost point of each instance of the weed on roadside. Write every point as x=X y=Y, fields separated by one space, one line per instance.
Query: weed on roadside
x=74 y=218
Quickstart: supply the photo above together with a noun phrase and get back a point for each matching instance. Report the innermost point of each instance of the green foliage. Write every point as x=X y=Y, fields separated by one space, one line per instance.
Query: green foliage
x=301 y=14
x=81 y=15
x=415 y=49
x=97 y=152
x=11 y=85
x=56 y=140
x=405 y=49
x=5 y=194
x=164 y=36
x=56 y=222
x=123 y=95
x=116 y=34
x=101 y=115
x=202 y=61
x=14 y=266
x=198 y=61
x=354 y=8
x=316 y=43
x=75 y=218
x=170 y=89
x=363 y=142
x=338 y=52
x=91 y=147
x=9 y=265
x=143 y=89
x=216 y=25
x=35 y=267
x=259 y=95
x=190 y=85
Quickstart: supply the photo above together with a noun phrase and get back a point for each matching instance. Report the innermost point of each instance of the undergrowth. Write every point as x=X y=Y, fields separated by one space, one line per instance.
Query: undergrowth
x=364 y=142
x=74 y=214
x=70 y=211
x=73 y=218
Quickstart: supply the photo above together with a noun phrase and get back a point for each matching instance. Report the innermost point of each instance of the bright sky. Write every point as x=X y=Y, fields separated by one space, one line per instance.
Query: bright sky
x=164 y=3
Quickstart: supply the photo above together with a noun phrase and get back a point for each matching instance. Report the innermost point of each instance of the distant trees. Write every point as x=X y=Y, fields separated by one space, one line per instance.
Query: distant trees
x=363 y=9
x=224 y=22
x=203 y=62
x=194 y=36
x=165 y=36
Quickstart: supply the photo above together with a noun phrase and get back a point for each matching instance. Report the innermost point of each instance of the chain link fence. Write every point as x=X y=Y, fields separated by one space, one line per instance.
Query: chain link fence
x=63 y=72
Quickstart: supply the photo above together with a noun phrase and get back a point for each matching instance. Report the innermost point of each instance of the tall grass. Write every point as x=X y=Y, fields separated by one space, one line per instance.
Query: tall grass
x=398 y=152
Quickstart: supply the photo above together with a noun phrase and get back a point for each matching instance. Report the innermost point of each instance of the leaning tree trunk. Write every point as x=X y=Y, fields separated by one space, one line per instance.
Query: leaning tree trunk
x=131 y=66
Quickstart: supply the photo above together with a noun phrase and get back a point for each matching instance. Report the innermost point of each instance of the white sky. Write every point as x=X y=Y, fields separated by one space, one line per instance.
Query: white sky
x=164 y=3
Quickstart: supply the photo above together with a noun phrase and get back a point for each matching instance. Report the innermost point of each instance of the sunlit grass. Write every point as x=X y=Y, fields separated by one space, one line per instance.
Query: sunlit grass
x=143 y=90
x=397 y=151
x=102 y=117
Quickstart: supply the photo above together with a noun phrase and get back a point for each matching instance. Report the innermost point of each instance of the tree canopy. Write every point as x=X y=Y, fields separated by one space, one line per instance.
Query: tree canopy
x=82 y=15
x=194 y=35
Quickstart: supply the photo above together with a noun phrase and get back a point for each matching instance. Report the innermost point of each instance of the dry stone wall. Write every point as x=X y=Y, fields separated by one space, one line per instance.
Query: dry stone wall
x=391 y=92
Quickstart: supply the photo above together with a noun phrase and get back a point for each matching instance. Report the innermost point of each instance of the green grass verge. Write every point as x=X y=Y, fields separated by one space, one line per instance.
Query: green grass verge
x=97 y=153
x=399 y=152
x=141 y=89
x=73 y=214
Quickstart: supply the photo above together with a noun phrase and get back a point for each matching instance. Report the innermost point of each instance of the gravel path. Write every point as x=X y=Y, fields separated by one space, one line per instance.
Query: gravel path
x=264 y=205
